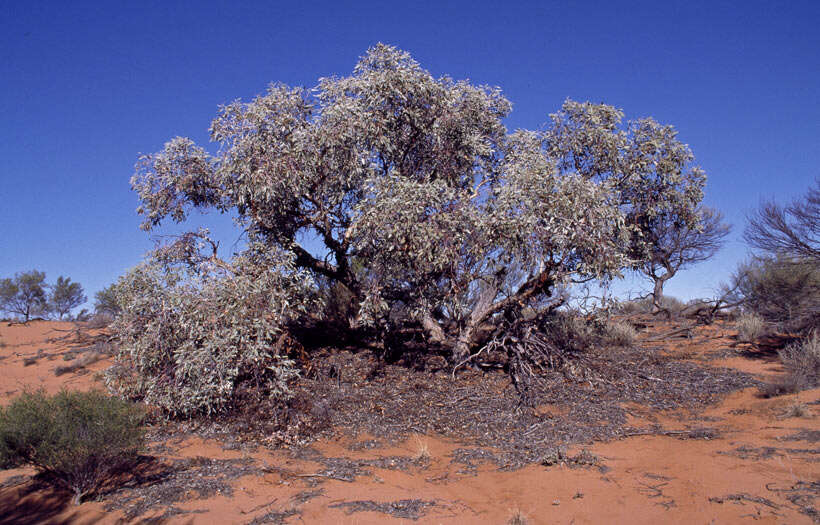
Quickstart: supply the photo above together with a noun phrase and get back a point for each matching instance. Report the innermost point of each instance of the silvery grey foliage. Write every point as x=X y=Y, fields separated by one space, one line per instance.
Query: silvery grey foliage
x=454 y=220
x=190 y=332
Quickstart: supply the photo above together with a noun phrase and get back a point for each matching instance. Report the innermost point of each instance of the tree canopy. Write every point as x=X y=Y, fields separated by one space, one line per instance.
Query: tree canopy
x=65 y=296
x=453 y=221
x=24 y=294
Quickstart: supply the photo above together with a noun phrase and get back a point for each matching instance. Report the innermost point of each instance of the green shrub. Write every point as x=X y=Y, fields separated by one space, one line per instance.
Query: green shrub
x=749 y=327
x=802 y=361
x=80 y=439
x=782 y=291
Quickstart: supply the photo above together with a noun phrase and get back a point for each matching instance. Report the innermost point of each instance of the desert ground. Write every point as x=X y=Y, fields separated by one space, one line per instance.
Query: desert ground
x=677 y=432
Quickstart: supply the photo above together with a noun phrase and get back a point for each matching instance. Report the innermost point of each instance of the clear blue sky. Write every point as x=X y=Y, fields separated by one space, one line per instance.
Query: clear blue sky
x=86 y=86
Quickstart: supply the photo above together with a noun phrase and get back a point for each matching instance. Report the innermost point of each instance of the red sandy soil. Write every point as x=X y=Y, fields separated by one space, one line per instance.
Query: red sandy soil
x=753 y=471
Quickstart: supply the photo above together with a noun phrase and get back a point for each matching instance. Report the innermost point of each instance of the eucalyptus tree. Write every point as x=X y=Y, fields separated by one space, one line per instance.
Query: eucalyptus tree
x=24 y=294
x=65 y=296
x=454 y=222
x=675 y=246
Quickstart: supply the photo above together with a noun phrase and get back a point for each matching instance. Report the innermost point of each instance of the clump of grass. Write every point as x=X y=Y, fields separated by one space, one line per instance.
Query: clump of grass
x=518 y=518
x=749 y=328
x=79 y=440
x=797 y=410
x=99 y=320
x=559 y=456
x=801 y=360
x=422 y=455
x=82 y=362
x=781 y=387
x=620 y=333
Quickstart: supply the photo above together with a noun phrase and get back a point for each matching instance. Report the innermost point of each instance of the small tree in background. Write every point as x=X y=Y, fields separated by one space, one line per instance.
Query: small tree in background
x=792 y=231
x=25 y=294
x=674 y=246
x=65 y=296
x=105 y=301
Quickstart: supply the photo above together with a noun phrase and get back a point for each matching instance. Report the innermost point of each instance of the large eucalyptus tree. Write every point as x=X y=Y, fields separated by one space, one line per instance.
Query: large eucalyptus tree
x=453 y=221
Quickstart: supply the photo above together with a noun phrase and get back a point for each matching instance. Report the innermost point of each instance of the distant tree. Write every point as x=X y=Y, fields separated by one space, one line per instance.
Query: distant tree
x=792 y=231
x=25 y=294
x=65 y=296
x=106 y=302
x=674 y=246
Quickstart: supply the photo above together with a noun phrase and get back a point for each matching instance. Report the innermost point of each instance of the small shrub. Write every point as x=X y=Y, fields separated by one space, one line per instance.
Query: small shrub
x=79 y=439
x=749 y=328
x=620 y=333
x=797 y=410
x=572 y=332
x=802 y=361
x=779 y=388
x=99 y=320
x=87 y=359
x=782 y=291
x=422 y=455
x=636 y=306
x=668 y=303
x=518 y=518
x=189 y=337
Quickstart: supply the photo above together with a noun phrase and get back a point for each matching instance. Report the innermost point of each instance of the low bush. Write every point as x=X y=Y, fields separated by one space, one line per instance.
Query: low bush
x=749 y=327
x=620 y=333
x=668 y=303
x=572 y=332
x=802 y=361
x=99 y=320
x=78 y=439
x=782 y=291
x=190 y=338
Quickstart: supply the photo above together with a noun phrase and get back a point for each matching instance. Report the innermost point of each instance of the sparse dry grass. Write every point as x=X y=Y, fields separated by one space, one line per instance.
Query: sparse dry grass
x=802 y=361
x=797 y=409
x=621 y=333
x=518 y=518
x=749 y=328
x=422 y=454
x=82 y=362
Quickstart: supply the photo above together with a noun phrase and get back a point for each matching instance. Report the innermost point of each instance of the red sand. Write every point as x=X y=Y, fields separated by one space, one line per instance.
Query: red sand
x=650 y=479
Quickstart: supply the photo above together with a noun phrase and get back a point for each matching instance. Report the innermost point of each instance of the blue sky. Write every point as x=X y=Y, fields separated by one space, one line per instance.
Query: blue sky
x=85 y=87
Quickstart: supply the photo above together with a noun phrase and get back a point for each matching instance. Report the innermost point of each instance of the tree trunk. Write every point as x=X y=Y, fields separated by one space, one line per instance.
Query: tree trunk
x=657 y=296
